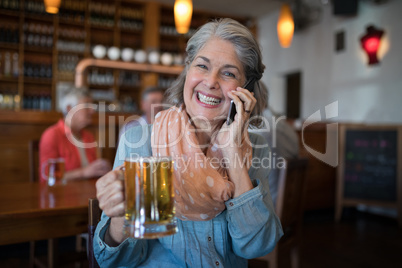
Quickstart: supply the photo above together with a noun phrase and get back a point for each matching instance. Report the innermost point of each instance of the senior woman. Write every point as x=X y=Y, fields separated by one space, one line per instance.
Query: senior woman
x=225 y=212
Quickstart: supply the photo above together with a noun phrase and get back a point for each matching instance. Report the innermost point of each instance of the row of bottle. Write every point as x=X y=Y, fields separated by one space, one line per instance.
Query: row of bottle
x=37 y=70
x=40 y=101
x=97 y=77
x=11 y=101
x=44 y=41
x=102 y=8
x=10 y=4
x=132 y=13
x=74 y=5
x=9 y=34
x=106 y=78
x=38 y=34
x=38 y=28
x=165 y=82
x=72 y=33
x=130 y=24
x=171 y=30
x=129 y=79
x=9 y=64
x=71 y=15
x=70 y=9
x=124 y=23
x=71 y=46
x=67 y=63
x=103 y=21
x=36 y=7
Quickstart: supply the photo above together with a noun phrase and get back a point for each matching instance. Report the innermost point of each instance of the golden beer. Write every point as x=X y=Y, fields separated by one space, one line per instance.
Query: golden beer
x=149 y=206
x=53 y=171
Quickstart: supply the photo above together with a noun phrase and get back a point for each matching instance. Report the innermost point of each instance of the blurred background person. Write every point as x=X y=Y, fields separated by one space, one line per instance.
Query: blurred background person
x=151 y=103
x=281 y=138
x=56 y=141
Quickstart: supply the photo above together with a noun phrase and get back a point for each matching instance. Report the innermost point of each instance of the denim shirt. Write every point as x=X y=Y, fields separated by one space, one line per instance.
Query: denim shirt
x=246 y=229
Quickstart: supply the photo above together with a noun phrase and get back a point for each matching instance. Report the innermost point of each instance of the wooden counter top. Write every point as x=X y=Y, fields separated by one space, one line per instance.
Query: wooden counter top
x=30 y=211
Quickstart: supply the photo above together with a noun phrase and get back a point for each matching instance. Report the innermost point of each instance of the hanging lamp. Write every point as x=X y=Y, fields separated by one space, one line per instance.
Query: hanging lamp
x=370 y=42
x=183 y=10
x=285 y=26
x=52 y=6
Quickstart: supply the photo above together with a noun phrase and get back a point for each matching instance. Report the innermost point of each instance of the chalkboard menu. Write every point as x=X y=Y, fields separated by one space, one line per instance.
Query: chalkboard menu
x=371 y=164
x=370 y=167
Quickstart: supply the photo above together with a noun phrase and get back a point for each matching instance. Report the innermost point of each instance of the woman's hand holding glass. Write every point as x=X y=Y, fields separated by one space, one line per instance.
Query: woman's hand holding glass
x=110 y=194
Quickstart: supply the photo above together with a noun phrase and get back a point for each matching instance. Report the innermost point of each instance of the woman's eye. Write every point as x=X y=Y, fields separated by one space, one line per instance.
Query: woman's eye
x=202 y=66
x=229 y=74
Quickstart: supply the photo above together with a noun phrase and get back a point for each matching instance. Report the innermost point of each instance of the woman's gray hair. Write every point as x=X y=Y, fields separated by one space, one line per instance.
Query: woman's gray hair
x=247 y=50
x=71 y=99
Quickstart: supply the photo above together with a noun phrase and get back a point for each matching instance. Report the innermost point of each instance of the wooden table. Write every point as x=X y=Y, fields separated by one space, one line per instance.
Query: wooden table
x=30 y=211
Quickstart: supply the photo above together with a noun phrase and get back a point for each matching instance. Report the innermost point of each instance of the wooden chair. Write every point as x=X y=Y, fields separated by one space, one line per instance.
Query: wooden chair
x=52 y=244
x=289 y=208
x=94 y=214
x=33 y=149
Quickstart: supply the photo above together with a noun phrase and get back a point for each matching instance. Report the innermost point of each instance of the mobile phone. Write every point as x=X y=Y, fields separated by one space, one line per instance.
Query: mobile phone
x=232 y=110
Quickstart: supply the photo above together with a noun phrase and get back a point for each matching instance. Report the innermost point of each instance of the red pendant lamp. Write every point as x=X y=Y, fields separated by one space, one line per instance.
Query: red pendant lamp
x=370 y=42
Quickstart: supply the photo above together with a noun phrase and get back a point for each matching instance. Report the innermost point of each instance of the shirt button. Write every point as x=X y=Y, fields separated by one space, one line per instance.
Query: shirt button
x=217 y=263
x=231 y=204
x=209 y=238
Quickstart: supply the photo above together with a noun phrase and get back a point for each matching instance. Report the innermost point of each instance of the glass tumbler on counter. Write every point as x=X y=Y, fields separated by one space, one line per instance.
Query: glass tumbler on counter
x=149 y=205
x=53 y=171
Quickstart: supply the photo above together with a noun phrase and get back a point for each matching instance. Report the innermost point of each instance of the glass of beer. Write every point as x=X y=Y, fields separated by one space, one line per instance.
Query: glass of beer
x=149 y=205
x=53 y=171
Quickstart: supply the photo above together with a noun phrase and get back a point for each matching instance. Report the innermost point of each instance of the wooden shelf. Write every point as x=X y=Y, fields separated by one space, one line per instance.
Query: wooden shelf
x=9 y=79
x=9 y=46
x=100 y=87
x=29 y=116
x=7 y=12
x=40 y=17
x=38 y=49
x=39 y=81
x=121 y=65
x=71 y=22
x=71 y=52
x=131 y=31
x=144 y=17
x=101 y=27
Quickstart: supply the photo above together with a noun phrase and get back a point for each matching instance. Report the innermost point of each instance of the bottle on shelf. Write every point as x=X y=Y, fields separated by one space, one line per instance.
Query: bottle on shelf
x=7 y=100
x=1 y=65
x=15 y=65
x=7 y=64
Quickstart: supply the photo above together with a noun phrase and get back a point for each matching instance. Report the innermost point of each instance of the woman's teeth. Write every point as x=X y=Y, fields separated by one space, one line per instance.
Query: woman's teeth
x=208 y=100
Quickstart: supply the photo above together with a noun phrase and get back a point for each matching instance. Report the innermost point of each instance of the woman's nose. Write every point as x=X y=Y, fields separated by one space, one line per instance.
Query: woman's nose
x=211 y=80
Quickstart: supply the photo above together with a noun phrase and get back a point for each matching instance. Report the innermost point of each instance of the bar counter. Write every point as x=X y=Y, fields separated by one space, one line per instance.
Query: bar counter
x=34 y=211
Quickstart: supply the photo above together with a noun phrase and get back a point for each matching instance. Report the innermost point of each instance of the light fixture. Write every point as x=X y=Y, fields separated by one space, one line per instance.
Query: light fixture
x=285 y=26
x=183 y=10
x=370 y=42
x=52 y=6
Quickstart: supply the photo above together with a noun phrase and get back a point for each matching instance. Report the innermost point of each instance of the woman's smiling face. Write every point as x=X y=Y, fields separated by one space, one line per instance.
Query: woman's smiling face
x=215 y=71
